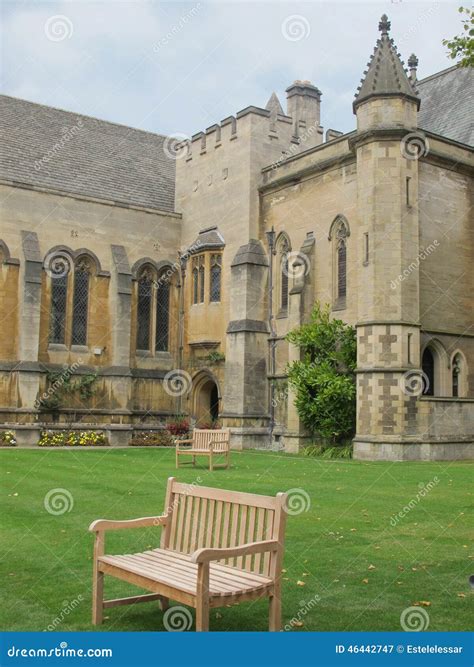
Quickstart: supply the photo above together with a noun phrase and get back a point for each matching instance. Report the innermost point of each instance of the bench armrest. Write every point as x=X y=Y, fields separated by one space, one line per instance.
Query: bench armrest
x=181 y=442
x=206 y=555
x=106 y=524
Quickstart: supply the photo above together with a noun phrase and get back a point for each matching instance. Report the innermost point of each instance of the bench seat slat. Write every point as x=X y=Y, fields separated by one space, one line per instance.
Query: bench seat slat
x=176 y=570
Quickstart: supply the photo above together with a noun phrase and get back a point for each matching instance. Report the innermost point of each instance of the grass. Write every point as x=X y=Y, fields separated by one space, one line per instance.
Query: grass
x=359 y=570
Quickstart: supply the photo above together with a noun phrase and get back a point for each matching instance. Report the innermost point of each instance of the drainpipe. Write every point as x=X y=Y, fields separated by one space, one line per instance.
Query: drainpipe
x=272 y=338
x=182 y=263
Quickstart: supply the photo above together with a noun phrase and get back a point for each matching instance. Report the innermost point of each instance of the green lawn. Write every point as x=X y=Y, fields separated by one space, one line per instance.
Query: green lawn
x=364 y=570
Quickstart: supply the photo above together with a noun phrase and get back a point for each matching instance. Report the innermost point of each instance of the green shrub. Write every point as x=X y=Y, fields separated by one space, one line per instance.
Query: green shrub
x=64 y=438
x=329 y=452
x=7 y=439
x=324 y=377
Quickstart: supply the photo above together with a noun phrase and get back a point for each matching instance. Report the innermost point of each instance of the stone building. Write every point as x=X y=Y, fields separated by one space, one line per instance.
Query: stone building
x=144 y=264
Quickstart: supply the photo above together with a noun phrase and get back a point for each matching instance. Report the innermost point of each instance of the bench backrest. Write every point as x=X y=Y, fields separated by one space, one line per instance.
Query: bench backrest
x=202 y=437
x=206 y=517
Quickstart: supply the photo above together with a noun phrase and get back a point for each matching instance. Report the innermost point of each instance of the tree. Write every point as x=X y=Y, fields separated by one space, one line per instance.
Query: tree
x=324 y=377
x=462 y=46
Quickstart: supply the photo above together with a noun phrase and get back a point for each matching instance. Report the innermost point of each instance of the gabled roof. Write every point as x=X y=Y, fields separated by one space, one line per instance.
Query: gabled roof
x=385 y=74
x=447 y=103
x=64 y=151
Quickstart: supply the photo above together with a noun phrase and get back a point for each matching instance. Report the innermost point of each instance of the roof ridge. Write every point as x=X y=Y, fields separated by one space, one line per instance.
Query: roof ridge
x=436 y=74
x=82 y=115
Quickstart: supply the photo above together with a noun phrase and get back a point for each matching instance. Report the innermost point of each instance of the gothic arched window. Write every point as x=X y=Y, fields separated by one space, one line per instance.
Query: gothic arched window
x=215 y=278
x=341 y=269
x=162 y=314
x=57 y=329
x=338 y=235
x=282 y=251
x=198 y=278
x=459 y=376
x=144 y=308
x=80 y=303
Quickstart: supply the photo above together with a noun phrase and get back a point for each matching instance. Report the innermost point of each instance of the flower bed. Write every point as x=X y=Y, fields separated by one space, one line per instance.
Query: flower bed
x=73 y=439
x=152 y=439
x=7 y=439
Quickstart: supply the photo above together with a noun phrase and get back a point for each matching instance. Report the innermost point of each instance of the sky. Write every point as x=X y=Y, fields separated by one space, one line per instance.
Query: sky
x=179 y=67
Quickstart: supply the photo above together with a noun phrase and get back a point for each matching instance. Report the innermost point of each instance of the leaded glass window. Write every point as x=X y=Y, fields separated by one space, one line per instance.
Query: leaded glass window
x=215 y=278
x=284 y=282
x=195 y=284
x=57 y=332
x=341 y=269
x=144 y=306
x=201 y=280
x=198 y=279
x=80 y=305
x=162 y=315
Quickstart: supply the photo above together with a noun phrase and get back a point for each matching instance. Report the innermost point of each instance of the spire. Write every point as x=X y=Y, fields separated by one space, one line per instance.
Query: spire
x=273 y=105
x=412 y=64
x=385 y=74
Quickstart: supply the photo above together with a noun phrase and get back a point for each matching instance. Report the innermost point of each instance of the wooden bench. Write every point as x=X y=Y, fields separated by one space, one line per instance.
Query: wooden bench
x=217 y=547
x=205 y=442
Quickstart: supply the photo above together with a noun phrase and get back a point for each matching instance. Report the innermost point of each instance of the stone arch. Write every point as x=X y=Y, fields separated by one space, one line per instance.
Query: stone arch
x=4 y=252
x=74 y=255
x=339 y=222
x=159 y=267
x=458 y=366
x=206 y=397
x=282 y=252
x=439 y=377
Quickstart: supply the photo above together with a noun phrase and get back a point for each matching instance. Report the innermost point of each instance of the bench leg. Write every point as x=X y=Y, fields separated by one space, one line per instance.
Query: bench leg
x=177 y=459
x=164 y=603
x=275 y=613
x=211 y=465
x=97 y=597
x=202 y=615
x=194 y=460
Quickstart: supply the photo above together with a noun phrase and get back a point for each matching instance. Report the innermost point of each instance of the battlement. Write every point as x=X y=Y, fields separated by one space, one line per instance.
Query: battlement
x=299 y=126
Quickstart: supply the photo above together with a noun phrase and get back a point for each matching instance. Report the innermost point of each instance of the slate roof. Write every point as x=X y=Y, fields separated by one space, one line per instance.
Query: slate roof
x=447 y=103
x=385 y=74
x=65 y=151
x=207 y=239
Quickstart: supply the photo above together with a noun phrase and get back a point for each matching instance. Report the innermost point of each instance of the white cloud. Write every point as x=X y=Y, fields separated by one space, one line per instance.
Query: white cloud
x=180 y=67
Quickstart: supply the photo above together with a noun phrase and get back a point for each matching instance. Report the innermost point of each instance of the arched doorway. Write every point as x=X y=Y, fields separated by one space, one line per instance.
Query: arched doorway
x=428 y=367
x=205 y=399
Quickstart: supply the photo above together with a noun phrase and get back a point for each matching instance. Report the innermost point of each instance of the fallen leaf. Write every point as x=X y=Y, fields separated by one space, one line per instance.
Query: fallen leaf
x=283 y=570
x=353 y=530
x=422 y=603
x=414 y=569
x=218 y=615
x=365 y=581
x=305 y=574
x=371 y=567
x=461 y=595
x=300 y=583
x=297 y=624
